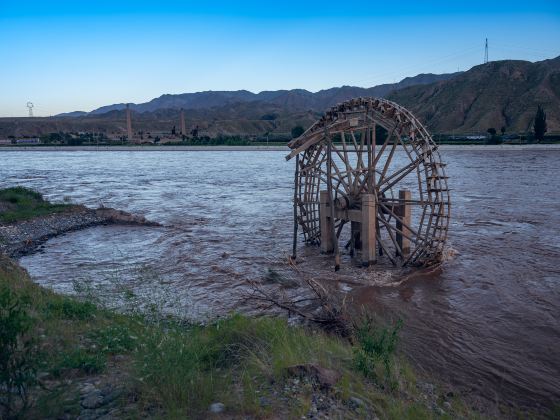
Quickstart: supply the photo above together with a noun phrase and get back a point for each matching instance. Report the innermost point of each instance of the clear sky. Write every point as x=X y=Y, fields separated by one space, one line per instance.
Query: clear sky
x=82 y=54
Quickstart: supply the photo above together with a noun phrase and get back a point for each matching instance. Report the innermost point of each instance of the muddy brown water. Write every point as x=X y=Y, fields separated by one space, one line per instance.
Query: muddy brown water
x=487 y=321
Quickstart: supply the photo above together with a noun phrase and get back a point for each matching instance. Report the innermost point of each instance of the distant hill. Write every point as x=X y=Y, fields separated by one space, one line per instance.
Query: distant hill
x=500 y=93
x=295 y=99
x=72 y=114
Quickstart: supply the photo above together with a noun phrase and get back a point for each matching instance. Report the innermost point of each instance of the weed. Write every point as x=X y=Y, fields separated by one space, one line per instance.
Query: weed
x=375 y=345
x=79 y=359
x=115 y=339
x=68 y=308
x=18 y=354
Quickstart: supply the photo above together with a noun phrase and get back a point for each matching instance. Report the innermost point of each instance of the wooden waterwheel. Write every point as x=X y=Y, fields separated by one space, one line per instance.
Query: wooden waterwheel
x=369 y=164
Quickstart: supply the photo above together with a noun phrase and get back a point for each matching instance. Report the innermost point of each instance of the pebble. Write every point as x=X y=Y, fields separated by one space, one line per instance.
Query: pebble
x=426 y=387
x=93 y=400
x=92 y=414
x=356 y=402
x=217 y=407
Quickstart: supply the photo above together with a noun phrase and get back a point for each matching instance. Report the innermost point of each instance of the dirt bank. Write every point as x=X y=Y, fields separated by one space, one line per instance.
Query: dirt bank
x=24 y=236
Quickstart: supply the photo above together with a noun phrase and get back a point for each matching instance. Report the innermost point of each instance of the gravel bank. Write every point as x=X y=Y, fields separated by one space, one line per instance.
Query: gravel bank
x=23 y=237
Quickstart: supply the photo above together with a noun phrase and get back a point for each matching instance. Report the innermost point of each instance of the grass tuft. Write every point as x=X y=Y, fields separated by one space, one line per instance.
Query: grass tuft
x=20 y=203
x=68 y=308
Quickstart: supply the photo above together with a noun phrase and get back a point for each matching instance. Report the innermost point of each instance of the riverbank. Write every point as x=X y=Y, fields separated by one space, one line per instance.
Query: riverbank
x=77 y=358
x=27 y=220
x=63 y=357
x=69 y=358
x=277 y=148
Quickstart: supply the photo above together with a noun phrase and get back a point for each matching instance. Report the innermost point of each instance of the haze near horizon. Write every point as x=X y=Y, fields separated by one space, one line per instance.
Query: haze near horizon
x=64 y=56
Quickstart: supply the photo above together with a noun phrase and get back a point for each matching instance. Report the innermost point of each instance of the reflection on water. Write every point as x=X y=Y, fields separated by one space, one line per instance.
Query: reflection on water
x=488 y=319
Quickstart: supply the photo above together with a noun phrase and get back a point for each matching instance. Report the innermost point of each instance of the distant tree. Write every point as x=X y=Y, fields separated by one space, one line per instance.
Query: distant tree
x=494 y=139
x=269 y=117
x=503 y=130
x=297 y=131
x=540 y=124
x=173 y=131
x=194 y=131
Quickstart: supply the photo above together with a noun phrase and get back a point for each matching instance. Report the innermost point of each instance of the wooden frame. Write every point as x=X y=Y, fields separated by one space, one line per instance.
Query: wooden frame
x=393 y=192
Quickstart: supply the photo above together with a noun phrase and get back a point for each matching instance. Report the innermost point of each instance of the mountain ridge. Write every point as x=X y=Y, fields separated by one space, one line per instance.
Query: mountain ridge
x=296 y=99
x=498 y=94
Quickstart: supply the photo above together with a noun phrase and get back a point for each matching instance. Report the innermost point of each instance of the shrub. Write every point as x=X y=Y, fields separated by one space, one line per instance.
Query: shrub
x=375 y=346
x=115 y=339
x=297 y=131
x=18 y=352
x=68 y=308
x=79 y=359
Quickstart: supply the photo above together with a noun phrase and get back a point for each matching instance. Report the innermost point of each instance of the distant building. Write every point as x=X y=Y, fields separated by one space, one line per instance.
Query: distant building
x=28 y=141
x=5 y=141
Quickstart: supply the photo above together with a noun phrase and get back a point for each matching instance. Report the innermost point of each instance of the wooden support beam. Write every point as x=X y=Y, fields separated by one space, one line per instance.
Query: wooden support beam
x=403 y=211
x=294 y=245
x=326 y=223
x=368 y=236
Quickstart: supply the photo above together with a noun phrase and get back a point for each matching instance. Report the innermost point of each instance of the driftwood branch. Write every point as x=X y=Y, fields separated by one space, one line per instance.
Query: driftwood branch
x=319 y=304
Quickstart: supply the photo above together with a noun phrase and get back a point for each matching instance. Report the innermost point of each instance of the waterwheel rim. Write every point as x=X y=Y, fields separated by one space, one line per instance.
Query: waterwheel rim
x=407 y=159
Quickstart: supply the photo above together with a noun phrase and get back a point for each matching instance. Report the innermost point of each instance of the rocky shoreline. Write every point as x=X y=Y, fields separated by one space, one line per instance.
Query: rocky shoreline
x=24 y=237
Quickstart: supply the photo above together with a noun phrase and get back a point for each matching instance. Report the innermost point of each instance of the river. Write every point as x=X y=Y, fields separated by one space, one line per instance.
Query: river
x=487 y=322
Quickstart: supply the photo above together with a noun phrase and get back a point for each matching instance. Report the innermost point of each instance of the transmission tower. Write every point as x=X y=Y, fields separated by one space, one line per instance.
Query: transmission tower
x=486 y=52
x=30 y=108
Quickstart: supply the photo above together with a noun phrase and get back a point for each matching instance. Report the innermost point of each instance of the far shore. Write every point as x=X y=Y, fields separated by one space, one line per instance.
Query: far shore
x=276 y=148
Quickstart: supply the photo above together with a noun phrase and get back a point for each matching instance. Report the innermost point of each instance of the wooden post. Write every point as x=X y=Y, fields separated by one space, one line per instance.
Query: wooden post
x=294 y=245
x=327 y=243
x=331 y=201
x=403 y=211
x=356 y=242
x=368 y=236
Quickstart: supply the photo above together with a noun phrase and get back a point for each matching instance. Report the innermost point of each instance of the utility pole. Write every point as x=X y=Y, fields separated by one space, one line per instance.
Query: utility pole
x=486 y=52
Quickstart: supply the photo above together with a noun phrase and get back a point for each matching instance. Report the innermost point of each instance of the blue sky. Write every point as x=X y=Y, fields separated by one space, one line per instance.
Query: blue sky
x=79 y=55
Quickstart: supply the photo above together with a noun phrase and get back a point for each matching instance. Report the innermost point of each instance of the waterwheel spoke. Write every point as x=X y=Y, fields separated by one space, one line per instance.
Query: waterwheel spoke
x=346 y=160
x=400 y=174
x=388 y=227
x=376 y=160
x=421 y=221
x=388 y=162
x=386 y=250
x=390 y=211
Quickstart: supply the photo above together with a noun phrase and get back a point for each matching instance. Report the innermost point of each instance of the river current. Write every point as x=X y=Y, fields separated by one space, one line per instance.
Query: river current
x=487 y=321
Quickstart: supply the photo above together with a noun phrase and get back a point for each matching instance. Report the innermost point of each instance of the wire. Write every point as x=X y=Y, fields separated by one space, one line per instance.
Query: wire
x=427 y=64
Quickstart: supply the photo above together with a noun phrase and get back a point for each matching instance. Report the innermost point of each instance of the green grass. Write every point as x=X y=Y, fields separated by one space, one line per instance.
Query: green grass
x=176 y=370
x=20 y=203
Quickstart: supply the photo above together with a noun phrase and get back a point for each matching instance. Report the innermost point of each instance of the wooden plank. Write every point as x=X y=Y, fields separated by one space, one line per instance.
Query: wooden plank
x=404 y=220
x=327 y=243
x=368 y=236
